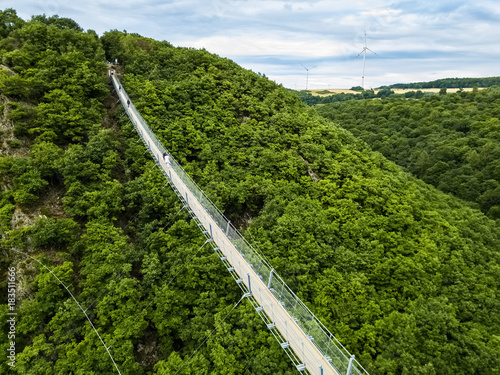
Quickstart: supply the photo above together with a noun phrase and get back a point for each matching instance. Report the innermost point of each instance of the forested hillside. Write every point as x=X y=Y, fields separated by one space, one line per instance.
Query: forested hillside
x=406 y=276
x=403 y=274
x=80 y=195
x=450 y=141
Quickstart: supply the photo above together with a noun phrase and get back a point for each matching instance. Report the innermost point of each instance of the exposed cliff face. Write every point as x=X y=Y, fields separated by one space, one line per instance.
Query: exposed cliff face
x=21 y=219
x=8 y=71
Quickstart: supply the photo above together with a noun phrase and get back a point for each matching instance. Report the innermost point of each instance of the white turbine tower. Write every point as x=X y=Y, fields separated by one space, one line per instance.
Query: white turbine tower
x=365 y=48
x=307 y=74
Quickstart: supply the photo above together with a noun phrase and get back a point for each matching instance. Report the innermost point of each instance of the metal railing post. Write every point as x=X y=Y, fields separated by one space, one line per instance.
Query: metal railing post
x=270 y=278
x=349 y=368
x=310 y=326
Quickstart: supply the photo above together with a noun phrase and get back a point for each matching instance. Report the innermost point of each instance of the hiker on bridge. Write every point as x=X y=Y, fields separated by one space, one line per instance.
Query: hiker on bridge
x=166 y=158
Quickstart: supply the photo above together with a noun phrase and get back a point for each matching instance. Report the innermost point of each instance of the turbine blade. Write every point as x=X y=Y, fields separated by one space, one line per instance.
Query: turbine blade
x=372 y=51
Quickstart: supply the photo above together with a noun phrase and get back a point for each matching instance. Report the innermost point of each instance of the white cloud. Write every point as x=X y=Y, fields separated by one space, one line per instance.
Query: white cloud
x=415 y=40
x=268 y=46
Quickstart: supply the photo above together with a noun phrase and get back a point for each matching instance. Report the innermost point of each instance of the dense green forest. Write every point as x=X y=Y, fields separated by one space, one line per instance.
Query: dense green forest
x=449 y=83
x=450 y=141
x=406 y=276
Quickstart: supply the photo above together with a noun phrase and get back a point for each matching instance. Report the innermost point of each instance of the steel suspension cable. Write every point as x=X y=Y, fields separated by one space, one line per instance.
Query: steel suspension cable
x=78 y=304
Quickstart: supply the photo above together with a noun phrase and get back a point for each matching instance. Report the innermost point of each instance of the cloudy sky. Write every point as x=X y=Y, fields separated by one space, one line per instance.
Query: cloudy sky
x=414 y=40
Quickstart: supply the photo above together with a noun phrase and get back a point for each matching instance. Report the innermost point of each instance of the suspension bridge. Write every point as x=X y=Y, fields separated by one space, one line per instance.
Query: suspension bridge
x=308 y=343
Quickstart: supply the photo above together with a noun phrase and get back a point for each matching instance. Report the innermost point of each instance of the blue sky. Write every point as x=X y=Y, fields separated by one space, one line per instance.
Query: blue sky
x=414 y=40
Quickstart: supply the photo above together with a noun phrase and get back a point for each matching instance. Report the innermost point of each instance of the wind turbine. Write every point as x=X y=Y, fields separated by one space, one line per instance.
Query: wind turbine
x=307 y=74
x=365 y=48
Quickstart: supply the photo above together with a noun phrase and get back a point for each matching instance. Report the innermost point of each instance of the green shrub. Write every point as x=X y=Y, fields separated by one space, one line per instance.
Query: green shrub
x=53 y=233
x=5 y=216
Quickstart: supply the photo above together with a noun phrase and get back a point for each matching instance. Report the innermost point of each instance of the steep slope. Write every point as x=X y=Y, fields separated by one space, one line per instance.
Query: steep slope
x=405 y=275
x=80 y=195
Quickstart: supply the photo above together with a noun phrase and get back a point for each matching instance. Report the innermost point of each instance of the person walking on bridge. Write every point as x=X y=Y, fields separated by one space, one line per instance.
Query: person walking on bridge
x=166 y=158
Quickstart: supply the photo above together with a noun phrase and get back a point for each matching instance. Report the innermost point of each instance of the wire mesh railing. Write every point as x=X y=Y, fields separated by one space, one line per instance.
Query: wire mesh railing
x=323 y=339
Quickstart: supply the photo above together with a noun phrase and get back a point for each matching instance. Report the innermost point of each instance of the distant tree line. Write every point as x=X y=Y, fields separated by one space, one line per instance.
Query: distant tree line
x=385 y=92
x=449 y=83
x=311 y=99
